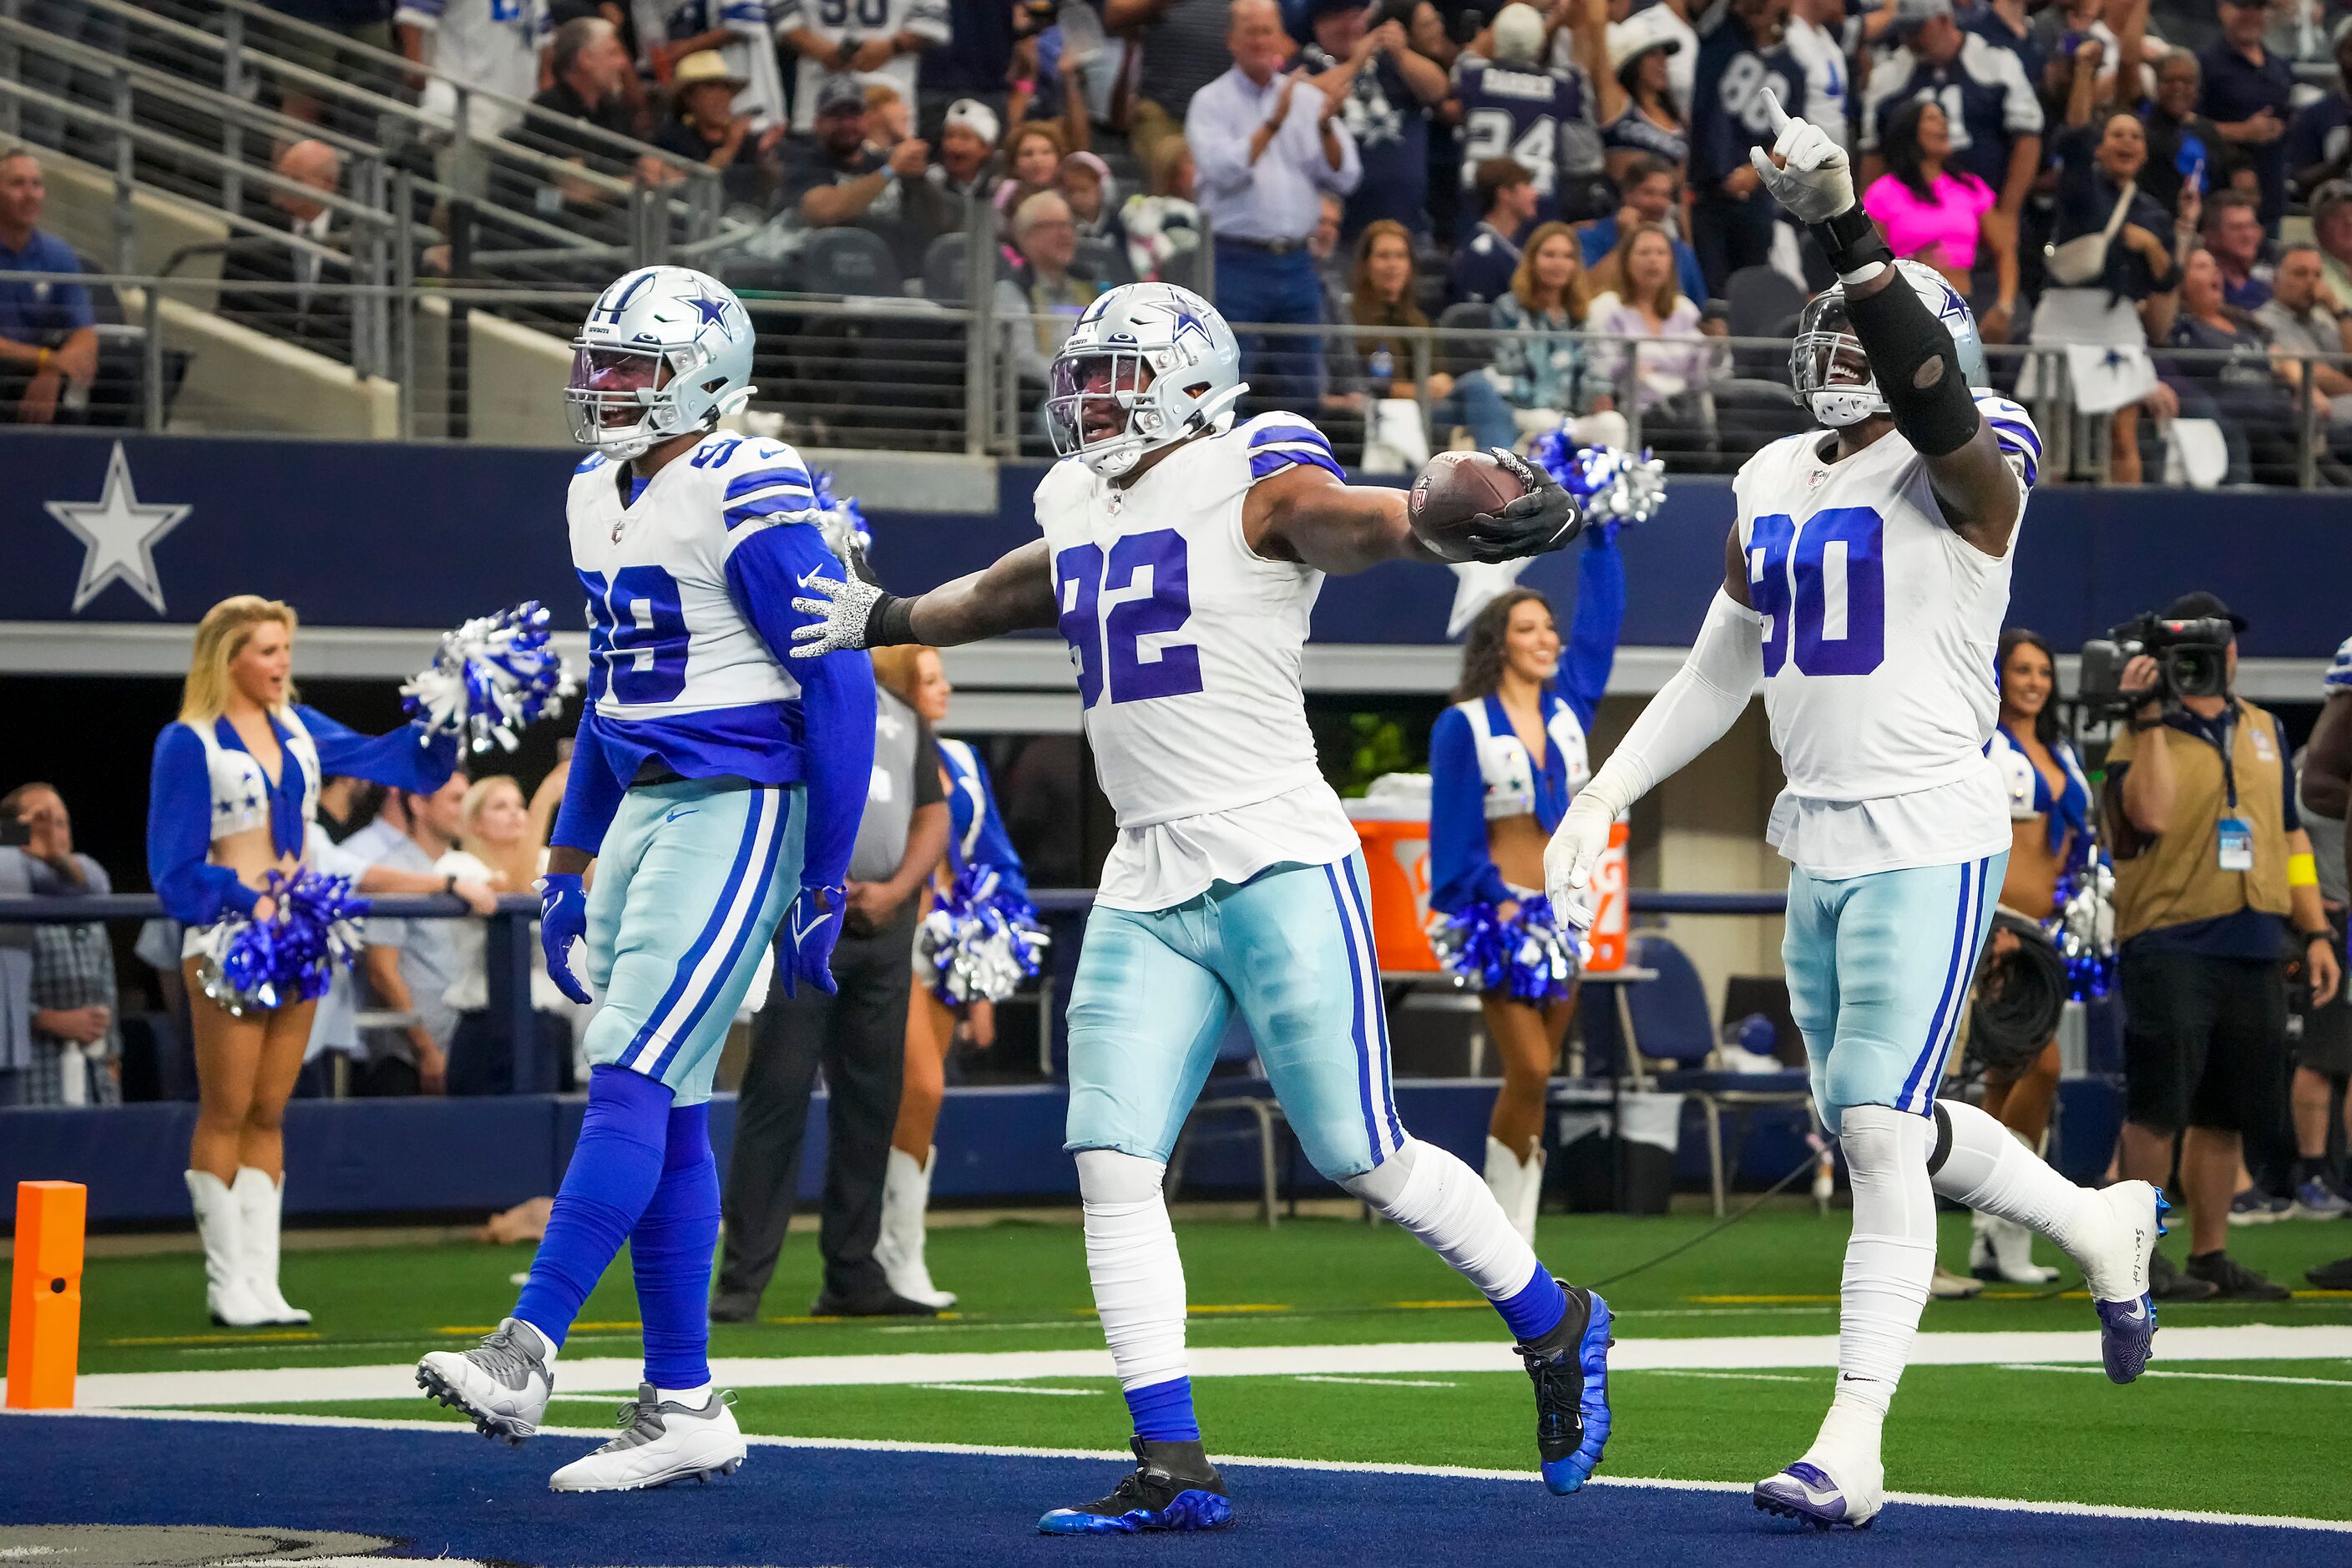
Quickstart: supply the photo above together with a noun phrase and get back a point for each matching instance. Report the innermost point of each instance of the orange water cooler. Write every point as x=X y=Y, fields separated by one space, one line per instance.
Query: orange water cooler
x=1396 y=863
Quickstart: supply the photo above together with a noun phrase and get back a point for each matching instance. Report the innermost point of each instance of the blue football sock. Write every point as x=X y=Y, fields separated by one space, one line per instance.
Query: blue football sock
x=614 y=1168
x=670 y=1251
x=1163 y=1412
x=1536 y=1309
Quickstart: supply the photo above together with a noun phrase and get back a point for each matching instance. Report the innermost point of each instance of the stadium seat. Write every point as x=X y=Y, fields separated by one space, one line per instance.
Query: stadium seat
x=1761 y=303
x=1102 y=259
x=847 y=261
x=1459 y=356
x=1670 y=1042
x=1237 y=1050
x=947 y=269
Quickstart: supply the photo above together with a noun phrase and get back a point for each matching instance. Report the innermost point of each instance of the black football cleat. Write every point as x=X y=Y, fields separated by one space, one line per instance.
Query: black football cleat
x=1172 y=1486
x=1570 y=1367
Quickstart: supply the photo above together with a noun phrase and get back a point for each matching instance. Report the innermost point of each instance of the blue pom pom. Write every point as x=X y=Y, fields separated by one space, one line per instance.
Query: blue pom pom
x=1614 y=486
x=2081 y=922
x=981 y=940
x=490 y=678
x=290 y=957
x=1530 y=957
x=842 y=521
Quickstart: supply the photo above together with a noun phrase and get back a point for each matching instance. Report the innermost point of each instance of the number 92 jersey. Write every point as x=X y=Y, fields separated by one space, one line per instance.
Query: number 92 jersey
x=1188 y=646
x=1881 y=626
x=667 y=638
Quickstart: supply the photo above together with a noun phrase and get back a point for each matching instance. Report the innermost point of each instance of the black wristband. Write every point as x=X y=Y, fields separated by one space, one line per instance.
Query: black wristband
x=1852 y=241
x=2308 y=937
x=891 y=621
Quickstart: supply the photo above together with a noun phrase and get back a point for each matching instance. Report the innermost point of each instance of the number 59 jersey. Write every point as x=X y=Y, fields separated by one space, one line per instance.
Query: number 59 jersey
x=1881 y=628
x=1188 y=646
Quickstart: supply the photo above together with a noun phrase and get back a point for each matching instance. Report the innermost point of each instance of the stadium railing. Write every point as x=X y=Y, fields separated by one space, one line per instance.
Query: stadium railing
x=905 y=373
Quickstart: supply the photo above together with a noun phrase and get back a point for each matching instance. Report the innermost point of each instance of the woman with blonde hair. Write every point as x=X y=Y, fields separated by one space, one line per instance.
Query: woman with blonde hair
x=1645 y=303
x=1540 y=362
x=231 y=804
x=979 y=859
x=500 y=843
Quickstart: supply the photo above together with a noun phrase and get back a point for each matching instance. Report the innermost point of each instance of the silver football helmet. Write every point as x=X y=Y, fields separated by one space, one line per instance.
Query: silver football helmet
x=1831 y=374
x=1149 y=364
x=664 y=350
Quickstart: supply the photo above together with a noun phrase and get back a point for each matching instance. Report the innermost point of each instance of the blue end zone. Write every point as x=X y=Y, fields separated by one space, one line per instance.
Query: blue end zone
x=449 y=1492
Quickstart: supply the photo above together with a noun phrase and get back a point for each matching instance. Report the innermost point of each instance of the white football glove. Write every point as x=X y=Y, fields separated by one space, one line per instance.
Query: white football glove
x=844 y=609
x=1575 y=847
x=1814 y=180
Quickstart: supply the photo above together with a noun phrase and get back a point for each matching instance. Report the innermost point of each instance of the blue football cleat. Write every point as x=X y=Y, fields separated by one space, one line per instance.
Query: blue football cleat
x=2127 y=1327
x=1806 y=1491
x=1172 y=1486
x=1570 y=1367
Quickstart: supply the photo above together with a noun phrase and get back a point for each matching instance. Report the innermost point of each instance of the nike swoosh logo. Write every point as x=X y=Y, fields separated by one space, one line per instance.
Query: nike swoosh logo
x=1818 y=1499
x=811 y=575
x=800 y=932
x=674 y=816
x=2139 y=1312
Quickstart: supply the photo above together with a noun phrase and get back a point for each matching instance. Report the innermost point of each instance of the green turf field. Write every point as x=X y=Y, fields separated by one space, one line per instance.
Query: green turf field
x=2209 y=1434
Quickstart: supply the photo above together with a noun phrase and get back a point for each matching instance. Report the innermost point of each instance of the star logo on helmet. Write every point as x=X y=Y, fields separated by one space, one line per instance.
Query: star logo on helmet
x=712 y=311
x=1185 y=318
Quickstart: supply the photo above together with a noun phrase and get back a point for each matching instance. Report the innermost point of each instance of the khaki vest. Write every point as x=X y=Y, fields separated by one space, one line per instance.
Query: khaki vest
x=2178 y=878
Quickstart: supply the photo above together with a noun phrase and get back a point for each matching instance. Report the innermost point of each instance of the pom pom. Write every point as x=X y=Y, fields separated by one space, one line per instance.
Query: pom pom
x=1528 y=958
x=1614 y=486
x=257 y=966
x=2082 y=924
x=492 y=675
x=981 y=940
x=843 y=523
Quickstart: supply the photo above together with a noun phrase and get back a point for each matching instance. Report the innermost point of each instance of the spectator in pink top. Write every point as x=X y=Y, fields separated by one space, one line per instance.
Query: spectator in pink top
x=1939 y=214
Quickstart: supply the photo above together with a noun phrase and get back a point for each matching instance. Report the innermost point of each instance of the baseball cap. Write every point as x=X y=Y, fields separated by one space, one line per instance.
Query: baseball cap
x=839 y=92
x=1518 y=34
x=2330 y=195
x=1318 y=9
x=970 y=114
x=1911 y=13
x=2199 y=605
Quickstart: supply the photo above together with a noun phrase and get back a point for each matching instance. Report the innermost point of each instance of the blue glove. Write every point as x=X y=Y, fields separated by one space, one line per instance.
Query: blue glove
x=811 y=928
x=562 y=921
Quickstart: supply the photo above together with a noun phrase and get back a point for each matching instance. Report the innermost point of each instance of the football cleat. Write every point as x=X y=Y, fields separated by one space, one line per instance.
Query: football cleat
x=1570 y=1367
x=1172 y=1486
x=502 y=1383
x=661 y=1441
x=2116 y=1267
x=1807 y=1492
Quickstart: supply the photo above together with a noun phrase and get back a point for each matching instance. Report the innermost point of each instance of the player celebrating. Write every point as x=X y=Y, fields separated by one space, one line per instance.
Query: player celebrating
x=1864 y=584
x=710 y=780
x=1182 y=555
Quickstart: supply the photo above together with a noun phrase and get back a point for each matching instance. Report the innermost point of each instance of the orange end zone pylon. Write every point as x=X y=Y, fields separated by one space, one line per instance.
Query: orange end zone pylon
x=45 y=1303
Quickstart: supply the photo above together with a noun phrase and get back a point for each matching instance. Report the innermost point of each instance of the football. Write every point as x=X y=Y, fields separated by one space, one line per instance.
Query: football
x=1454 y=488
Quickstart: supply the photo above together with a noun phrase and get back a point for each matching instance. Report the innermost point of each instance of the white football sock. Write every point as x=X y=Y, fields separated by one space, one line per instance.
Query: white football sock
x=1138 y=1279
x=1431 y=1192
x=1889 y=1260
x=547 y=1345
x=1988 y=1168
x=692 y=1398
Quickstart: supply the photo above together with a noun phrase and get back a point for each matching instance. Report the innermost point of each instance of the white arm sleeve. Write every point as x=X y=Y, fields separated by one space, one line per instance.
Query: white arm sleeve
x=1693 y=710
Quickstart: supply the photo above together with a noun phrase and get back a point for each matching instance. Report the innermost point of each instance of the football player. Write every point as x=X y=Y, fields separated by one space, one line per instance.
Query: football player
x=1864 y=584
x=1180 y=557
x=714 y=785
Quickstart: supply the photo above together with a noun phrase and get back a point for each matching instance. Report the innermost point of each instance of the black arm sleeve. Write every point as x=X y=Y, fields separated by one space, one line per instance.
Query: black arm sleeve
x=1911 y=355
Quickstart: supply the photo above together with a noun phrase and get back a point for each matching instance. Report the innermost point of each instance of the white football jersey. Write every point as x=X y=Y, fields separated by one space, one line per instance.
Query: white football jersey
x=835 y=20
x=665 y=635
x=1188 y=646
x=1881 y=626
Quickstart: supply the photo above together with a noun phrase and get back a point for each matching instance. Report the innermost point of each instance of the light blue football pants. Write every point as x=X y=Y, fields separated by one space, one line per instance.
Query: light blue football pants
x=1292 y=949
x=1879 y=969
x=691 y=881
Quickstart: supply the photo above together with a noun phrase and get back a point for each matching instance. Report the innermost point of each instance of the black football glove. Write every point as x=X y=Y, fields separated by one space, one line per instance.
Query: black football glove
x=1544 y=520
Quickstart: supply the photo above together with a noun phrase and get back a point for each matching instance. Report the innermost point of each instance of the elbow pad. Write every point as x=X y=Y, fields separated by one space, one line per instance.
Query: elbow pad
x=1693 y=710
x=1916 y=367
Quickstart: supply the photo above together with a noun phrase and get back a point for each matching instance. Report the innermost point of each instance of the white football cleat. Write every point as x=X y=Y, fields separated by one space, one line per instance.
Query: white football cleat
x=1826 y=1492
x=2118 y=1236
x=2003 y=1249
x=503 y=1382
x=661 y=1441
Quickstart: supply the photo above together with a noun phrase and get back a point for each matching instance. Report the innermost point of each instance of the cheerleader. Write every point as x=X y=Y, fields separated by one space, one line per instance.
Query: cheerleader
x=2050 y=813
x=1503 y=762
x=233 y=797
x=977 y=846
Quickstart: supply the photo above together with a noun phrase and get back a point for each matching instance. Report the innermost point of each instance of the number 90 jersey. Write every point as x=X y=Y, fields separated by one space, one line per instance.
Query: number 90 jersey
x=1188 y=646
x=1881 y=627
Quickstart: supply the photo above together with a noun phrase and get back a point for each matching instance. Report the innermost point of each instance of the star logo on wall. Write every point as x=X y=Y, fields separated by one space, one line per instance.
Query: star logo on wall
x=119 y=536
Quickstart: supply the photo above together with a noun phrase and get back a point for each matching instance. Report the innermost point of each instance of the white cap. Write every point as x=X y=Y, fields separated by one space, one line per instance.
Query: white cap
x=975 y=117
x=1640 y=33
x=1518 y=34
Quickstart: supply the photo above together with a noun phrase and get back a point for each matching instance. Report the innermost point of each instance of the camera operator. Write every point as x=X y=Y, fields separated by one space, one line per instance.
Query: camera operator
x=2215 y=892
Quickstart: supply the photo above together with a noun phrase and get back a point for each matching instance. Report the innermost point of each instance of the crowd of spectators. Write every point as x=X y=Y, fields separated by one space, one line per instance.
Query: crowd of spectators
x=2060 y=161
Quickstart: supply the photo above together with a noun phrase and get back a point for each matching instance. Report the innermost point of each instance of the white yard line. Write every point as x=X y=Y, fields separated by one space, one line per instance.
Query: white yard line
x=1459 y=1472
x=1756 y=1376
x=1379 y=1382
x=1013 y=1388
x=2207 y=1376
x=1763 y=1352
